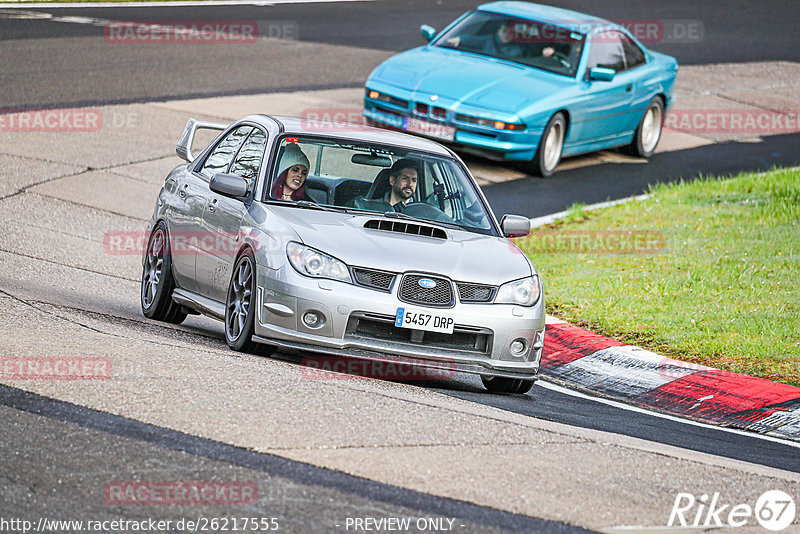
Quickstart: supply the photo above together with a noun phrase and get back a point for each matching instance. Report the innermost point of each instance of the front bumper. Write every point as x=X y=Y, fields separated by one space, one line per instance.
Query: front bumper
x=482 y=140
x=359 y=322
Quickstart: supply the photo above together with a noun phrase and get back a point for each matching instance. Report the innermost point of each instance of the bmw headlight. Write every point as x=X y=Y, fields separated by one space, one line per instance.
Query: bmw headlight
x=312 y=262
x=524 y=292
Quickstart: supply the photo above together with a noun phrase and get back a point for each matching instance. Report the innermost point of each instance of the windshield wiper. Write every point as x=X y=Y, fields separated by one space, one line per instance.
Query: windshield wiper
x=314 y=206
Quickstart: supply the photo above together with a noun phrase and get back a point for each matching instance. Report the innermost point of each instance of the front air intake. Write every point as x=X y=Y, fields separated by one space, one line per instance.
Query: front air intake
x=403 y=227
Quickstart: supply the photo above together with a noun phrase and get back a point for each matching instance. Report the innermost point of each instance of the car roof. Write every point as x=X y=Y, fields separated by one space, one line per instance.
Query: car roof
x=548 y=14
x=357 y=132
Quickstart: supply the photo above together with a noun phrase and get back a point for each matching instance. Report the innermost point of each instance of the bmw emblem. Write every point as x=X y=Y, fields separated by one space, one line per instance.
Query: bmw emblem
x=427 y=283
x=434 y=98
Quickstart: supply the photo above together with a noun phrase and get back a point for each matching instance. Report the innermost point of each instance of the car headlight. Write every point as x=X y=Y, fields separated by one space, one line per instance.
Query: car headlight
x=312 y=262
x=524 y=292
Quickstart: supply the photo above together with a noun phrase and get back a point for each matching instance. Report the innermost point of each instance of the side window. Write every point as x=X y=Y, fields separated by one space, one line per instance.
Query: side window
x=248 y=160
x=221 y=156
x=607 y=51
x=633 y=54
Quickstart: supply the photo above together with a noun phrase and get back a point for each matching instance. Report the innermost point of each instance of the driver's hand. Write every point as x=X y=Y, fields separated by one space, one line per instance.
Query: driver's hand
x=548 y=51
x=455 y=41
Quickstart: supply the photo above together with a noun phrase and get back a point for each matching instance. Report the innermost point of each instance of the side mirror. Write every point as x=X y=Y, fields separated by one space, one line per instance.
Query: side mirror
x=428 y=32
x=515 y=226
x=601 y=74
x=228 y=185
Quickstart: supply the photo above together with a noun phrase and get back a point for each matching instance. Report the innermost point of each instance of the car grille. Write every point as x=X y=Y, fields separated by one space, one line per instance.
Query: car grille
x=475 y=292
x=439 y=295
x=382 y=328
x=374 y=279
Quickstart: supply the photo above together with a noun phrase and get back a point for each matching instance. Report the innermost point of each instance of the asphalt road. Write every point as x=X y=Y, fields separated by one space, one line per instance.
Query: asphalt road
x=301 y=498
x=731 y=31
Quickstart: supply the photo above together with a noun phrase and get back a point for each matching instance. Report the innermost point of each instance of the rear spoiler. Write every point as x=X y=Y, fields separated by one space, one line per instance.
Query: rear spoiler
x=184 y=147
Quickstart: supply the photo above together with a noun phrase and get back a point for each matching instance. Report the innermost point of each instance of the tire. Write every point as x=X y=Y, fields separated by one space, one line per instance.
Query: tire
x=648 y=133
x=497 y=384
x=157 y=283
x=548 y=155
x=240 y=305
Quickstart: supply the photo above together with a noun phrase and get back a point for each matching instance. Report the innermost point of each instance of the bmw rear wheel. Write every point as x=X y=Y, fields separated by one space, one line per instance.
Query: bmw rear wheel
x=550 y=147
x=157 y=281
x=496 y=384
x=648 y=133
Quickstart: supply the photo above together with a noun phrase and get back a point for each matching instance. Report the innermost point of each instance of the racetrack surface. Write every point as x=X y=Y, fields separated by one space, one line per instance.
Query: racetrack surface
x=181 y=406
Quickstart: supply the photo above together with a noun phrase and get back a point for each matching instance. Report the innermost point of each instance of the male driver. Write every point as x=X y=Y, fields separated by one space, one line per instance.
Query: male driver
x=403 y=179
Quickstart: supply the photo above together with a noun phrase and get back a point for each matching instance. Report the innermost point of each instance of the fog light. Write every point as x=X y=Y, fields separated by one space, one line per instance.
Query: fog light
x=311 y=319
x=518 y=347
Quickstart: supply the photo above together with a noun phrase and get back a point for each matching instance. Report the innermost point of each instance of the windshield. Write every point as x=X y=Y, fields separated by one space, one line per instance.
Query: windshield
x=544 y=46
x=369 y=177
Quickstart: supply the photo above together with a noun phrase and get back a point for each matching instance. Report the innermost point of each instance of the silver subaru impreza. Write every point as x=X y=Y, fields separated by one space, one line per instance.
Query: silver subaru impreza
x=348 y=241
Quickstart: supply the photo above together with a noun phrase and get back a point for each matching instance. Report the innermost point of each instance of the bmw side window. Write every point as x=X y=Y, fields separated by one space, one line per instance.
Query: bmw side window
x=248 y=160
x=221 y=156
x=607 y=51
x=633 y=54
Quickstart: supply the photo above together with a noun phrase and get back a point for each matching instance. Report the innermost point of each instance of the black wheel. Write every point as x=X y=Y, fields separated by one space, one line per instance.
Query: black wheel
x=497 y=384
x=157 y=281
x=240 y=306
x=648 y=132
x=550 y=146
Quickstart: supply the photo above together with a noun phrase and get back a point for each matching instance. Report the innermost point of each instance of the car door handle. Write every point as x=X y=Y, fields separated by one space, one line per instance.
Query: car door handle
x=182 y=191
x=212 y=206
x=628 y=88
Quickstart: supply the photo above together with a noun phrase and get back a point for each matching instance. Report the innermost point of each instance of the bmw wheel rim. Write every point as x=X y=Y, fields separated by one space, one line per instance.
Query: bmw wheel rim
x=651 y=128
x=153 y=268
x=552 y=146
x=239 y=299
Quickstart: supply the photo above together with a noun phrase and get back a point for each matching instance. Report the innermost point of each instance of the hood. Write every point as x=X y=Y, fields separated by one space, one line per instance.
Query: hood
x=470 y=79
x=464 y=256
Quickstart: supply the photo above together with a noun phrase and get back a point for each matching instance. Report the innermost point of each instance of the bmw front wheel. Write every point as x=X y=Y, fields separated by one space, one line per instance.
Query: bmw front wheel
x=550 y=146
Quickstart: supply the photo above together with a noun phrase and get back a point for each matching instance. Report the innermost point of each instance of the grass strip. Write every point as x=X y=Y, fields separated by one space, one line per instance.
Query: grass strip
x=706 y=271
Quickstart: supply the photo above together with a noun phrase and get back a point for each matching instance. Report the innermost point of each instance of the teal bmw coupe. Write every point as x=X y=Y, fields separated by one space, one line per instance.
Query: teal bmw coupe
x=523 y=82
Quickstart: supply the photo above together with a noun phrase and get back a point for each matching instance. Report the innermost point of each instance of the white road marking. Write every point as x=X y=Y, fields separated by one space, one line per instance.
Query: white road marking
x=560 y=389
x=179 y=3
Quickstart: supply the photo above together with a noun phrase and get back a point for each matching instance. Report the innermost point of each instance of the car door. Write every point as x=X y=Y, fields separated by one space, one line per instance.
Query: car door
x=218 y=161
x=222 y=218
x=642 y=88
x=606 y=110
x=184 y=224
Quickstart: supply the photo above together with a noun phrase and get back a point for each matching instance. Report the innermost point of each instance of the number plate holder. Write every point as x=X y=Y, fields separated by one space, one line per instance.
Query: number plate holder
x=424 y=319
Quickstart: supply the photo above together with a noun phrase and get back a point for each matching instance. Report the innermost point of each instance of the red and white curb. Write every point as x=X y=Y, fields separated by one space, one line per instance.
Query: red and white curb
x=583 y=360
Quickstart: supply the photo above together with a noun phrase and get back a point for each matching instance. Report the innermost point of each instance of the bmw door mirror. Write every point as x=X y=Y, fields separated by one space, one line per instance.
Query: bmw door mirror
x=515 y=226
x=228 y=185
x=428 y=32
x=601 y=74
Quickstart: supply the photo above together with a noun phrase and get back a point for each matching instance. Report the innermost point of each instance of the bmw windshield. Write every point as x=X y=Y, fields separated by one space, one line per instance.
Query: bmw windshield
x=323 y=173
x=535 y=44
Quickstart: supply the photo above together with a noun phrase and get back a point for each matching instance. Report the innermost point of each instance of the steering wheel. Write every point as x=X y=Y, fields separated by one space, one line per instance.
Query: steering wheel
x=423 y=210
x=562 y=58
